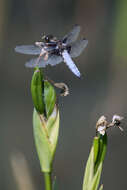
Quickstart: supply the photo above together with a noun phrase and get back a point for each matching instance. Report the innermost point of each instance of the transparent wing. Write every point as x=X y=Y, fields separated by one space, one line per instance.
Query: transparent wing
x=28 y=49
x=52 y=60
x=78 y=47
x=73 y=35
x=70 y=63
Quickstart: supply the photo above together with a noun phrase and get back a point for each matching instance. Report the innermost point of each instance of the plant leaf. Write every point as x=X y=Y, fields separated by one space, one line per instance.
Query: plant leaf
x=96 y=179
x=37 y=90
x=101 y=187
x=96 y=148
x=49 y=97
x=53 y=128
x=42 y=143
x=89 y=170
x=104 y=139
x=46 y=142
x=102 y=150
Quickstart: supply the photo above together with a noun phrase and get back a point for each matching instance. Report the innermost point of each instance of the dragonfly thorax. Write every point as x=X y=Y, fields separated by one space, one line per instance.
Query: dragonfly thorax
x=60 y=47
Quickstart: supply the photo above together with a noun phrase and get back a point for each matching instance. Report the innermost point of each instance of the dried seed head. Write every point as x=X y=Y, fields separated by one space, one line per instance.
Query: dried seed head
x=101 y=125
x=116 y=121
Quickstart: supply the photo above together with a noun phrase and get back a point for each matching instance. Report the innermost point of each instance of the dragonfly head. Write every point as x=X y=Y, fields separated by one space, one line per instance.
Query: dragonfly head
x=48 y=38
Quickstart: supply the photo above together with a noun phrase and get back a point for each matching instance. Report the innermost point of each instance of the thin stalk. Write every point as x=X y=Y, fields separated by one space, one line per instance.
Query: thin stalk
x=48 y=180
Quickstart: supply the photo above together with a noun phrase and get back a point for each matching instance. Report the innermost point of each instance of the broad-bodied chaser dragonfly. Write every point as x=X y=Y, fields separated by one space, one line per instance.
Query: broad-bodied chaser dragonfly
x=53 y=51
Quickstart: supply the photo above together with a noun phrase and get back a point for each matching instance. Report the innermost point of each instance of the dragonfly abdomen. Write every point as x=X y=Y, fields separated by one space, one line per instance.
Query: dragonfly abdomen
x=70 y=63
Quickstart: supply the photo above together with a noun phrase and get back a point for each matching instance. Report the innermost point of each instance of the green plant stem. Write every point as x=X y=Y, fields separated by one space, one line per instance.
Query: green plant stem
x=48 y=181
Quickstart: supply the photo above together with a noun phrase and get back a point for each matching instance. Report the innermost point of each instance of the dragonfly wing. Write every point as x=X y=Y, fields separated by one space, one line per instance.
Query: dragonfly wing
x=70 y=63
x=28 y=49
x=40 y=62
x=78 y=47
x=54 y=60
x=36 y=62
x=72 y=35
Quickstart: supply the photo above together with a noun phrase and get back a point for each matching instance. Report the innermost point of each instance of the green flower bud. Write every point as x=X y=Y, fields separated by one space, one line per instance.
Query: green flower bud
x=37 y=90
x=49 y=98
x=43 y=94
x=45 y=119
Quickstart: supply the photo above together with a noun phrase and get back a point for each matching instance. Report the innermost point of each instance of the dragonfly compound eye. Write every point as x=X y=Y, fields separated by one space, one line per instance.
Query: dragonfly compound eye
x=48 y=38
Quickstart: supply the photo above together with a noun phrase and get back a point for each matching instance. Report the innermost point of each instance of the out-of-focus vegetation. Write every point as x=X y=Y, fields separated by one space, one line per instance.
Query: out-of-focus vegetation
x=120 y=31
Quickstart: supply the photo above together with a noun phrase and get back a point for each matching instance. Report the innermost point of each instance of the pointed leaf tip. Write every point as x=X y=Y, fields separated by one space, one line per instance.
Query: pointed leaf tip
x=49 y=97
x=37 y=90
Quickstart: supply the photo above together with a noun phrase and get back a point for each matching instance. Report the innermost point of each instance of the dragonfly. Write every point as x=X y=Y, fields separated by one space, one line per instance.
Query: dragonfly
x=52 y=51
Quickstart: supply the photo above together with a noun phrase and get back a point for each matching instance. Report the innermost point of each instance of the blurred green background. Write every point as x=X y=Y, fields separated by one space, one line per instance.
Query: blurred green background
x=101 y=91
